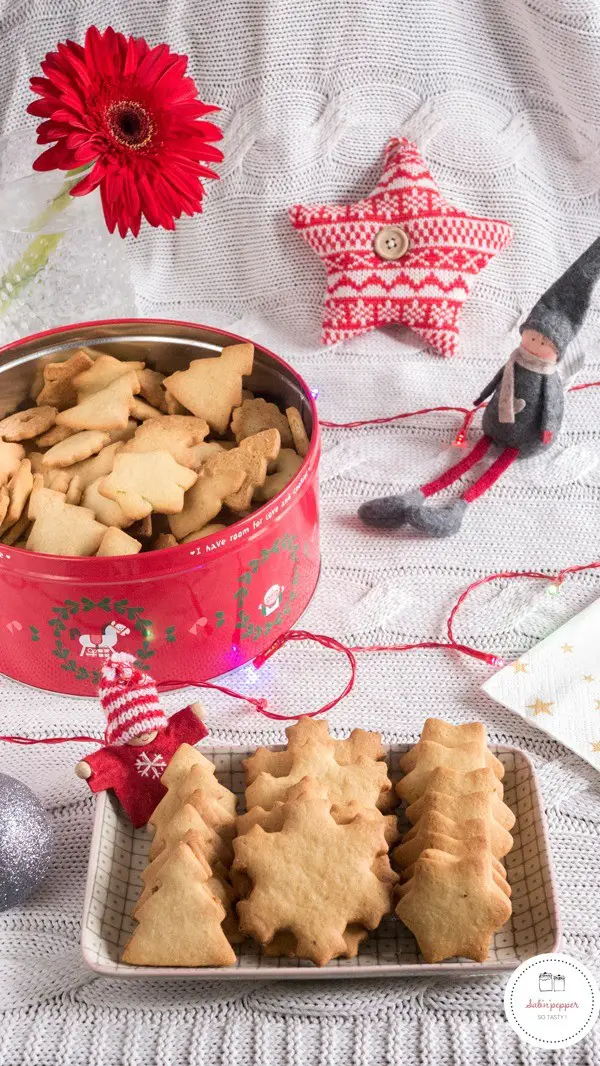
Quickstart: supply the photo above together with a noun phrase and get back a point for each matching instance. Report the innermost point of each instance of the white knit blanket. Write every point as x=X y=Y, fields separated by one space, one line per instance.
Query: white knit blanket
x=504 y=96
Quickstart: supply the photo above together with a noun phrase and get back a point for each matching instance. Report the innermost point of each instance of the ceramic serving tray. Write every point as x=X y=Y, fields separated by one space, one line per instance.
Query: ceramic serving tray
x=119 y=853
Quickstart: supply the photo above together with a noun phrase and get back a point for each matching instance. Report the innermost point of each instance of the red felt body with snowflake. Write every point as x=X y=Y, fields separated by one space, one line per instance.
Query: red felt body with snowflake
x=403 y=255
x=140 y=739
x=131 y=114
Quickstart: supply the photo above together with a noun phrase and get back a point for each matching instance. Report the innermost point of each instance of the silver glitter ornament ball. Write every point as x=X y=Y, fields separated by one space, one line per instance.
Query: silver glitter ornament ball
x=26 y=842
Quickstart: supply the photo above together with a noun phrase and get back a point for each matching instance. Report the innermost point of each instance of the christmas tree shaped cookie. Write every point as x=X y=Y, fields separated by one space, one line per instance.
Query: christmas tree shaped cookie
x=180 y=765
x=218 y=802
x=217 y=883
x=187 y=818
x=180 y=922
x=211 y=388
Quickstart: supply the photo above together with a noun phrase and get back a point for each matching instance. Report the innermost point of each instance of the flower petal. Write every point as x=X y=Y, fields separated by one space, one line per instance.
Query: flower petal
x=131 y=58
x=90 y=181
x=55 y=158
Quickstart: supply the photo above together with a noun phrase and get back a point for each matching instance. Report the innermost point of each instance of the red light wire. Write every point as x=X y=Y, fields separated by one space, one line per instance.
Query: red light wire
x=451 y=644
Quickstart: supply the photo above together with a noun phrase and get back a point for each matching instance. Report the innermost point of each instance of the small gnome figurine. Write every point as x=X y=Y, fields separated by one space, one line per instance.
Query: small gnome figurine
x=140 y=739
x=524 y=414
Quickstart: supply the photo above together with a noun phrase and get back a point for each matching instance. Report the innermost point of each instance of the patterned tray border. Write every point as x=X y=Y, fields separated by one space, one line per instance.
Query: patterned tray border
x=118 y=854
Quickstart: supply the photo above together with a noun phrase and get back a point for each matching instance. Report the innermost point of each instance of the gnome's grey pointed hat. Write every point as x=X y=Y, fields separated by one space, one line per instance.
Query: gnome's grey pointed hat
x=560 y=312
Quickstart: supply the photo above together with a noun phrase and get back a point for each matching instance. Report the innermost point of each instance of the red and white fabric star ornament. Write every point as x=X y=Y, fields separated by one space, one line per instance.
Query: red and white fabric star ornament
x=403 y=255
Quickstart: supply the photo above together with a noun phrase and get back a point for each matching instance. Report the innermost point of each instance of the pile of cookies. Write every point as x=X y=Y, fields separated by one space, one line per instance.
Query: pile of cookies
x=306 y=870
x=186 y=911
x=455 y=893
x=116 y=458
x=311 y=870
x=311 y=862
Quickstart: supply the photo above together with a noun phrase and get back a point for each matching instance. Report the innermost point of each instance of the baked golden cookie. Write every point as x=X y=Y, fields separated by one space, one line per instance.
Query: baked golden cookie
x=58 y=388
x=211 y=388
x=102 y=373
x=25 y=425
x=256 y=415
x=352 y=768
x=176 y=434
x=10 y=460
x=107 y=409
x=180 y=924
x=148 y=481
x=297 y=888
x=431 y=755
x=453 y=905
x=453 y=736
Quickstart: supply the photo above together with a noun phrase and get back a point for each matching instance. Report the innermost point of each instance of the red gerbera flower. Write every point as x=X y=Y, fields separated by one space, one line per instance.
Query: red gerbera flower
x=129 y=110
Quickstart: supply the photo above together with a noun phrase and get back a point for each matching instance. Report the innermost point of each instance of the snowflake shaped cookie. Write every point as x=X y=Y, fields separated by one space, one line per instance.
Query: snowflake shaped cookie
x=350 y=769
x=314 y=877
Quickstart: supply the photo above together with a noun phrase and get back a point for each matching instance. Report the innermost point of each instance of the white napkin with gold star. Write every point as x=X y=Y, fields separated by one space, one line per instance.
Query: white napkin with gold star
x=556 y=684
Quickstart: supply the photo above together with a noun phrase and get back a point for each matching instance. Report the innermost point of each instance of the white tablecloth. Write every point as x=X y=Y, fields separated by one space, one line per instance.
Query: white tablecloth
x=506 y=96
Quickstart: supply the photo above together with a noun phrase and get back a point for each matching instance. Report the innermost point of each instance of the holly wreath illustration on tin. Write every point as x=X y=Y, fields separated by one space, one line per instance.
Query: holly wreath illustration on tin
x=524 y=414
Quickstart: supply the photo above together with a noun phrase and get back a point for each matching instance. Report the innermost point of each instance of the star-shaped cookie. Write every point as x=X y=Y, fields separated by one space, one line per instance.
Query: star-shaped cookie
x=402 y=255
x=453 y=905
x=453 y=736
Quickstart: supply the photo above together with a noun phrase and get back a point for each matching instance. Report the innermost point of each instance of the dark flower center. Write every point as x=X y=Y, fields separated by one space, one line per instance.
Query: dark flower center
x=129 y=123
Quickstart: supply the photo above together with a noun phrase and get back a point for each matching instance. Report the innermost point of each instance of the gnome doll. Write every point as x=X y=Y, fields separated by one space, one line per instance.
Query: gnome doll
x=140 y=739
x=523 y=416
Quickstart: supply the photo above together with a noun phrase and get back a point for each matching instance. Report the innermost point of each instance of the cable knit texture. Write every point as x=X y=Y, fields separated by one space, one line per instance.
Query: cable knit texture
x=503 y=97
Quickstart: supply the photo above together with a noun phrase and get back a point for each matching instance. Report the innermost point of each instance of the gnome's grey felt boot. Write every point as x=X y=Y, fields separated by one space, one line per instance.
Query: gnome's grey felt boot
x=391 y=512
x=442 y=521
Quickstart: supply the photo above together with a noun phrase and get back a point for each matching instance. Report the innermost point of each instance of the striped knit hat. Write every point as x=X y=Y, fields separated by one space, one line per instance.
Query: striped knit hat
x=129 y=699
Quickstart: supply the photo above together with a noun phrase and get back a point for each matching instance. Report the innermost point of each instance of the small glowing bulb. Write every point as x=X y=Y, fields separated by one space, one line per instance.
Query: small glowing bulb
x=314 y=393
x=459 y=440
x=250 y=674
x=553 y=589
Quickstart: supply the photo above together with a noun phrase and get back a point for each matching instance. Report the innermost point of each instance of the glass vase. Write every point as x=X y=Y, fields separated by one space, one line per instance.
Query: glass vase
x=58 y=262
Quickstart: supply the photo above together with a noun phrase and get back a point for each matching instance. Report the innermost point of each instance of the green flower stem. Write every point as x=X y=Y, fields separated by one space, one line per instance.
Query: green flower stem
x=31 y=262
x=38 y=252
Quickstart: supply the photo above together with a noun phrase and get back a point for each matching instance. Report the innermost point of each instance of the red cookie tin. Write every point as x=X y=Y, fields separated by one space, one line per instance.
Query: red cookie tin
x=188 y=613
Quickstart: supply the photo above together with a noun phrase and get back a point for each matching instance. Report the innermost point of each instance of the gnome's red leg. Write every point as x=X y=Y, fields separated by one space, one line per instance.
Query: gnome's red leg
x=454 y=472
x=489 y=478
